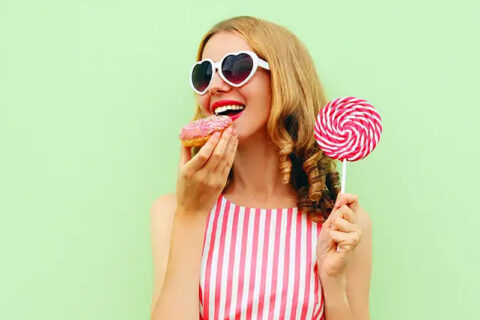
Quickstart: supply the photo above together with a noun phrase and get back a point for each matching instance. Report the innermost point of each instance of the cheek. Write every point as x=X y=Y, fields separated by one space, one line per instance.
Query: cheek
x=260 y=100
x=258 y=92
x=203 y=102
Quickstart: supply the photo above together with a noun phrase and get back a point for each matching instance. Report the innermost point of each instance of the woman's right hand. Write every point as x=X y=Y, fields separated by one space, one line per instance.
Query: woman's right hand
x=201 y=178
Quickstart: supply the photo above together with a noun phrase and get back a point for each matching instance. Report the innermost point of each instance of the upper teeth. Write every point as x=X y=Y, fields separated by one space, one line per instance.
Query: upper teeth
x=230 y=107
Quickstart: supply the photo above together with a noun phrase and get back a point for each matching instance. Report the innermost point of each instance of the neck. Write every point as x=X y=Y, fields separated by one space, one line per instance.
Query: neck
x=256 y=172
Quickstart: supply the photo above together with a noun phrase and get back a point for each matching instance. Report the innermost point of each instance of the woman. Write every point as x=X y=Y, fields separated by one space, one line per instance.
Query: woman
x=257 y=215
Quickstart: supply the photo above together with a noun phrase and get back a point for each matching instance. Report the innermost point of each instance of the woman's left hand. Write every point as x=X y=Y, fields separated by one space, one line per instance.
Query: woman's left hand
x=342 y=229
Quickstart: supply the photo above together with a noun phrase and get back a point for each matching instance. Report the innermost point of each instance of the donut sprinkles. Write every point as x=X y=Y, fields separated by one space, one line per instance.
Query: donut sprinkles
x=196 y=133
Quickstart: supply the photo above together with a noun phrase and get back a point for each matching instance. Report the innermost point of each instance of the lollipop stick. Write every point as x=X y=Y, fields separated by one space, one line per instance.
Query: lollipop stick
x=344 y=175
x=344 y=178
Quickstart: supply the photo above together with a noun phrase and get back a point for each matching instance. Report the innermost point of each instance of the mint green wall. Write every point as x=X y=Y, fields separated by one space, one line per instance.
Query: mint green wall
x=93 y=94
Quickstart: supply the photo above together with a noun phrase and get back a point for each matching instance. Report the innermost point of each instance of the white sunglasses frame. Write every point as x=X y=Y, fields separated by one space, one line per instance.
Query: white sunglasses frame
x=257 y=62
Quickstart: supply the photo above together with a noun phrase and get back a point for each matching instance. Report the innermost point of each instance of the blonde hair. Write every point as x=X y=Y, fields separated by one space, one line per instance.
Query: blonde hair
x=297 y=97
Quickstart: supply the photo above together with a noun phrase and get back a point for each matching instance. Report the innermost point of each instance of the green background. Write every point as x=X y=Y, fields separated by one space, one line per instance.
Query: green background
x=93 y=94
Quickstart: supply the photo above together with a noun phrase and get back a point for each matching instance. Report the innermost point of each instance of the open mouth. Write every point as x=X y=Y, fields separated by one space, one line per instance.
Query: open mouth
x=231 y=111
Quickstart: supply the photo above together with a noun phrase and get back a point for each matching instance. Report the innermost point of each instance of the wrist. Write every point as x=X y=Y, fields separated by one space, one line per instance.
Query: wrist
x=337 y=281
x=183 y=212
x=335 y=290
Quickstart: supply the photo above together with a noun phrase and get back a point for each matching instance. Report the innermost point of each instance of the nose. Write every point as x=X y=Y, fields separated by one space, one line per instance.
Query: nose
x=218 y=84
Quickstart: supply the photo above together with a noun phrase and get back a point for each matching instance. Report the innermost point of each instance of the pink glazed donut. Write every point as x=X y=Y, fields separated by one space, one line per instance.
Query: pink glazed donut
x=196 y=133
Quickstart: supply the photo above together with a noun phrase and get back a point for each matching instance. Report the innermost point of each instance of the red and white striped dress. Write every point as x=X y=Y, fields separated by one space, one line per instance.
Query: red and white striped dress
x=259 y=264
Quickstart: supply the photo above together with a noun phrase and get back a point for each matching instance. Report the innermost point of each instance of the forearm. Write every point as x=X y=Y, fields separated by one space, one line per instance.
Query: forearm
x=336 y=302
x=179 y=295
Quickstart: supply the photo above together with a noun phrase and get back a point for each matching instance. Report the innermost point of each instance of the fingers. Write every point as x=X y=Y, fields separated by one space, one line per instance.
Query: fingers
x=348 y=199
x=229 y=157
x=185 y=155
x=342 y=224
x=344 y=229
x=346 y=241
x=344 y=212
x=219 y=151
x=347 y=213
x=203 y=154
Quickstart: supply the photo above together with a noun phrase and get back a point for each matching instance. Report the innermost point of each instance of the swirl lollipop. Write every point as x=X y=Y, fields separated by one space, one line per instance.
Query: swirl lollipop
x=348 y=128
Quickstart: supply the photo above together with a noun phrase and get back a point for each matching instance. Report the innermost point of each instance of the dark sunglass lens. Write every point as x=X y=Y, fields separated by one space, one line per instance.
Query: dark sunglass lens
x=201 y=75
x=237 y=68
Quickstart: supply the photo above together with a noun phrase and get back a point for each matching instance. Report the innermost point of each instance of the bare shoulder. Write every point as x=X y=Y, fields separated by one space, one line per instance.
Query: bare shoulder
x=362 y=256
x=364 y=219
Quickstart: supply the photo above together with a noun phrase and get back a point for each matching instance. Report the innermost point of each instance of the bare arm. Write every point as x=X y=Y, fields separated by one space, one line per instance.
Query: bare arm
x=178 y=297
x=360 y=270
x=200 y=181
x=161 y=220
x=347 y=297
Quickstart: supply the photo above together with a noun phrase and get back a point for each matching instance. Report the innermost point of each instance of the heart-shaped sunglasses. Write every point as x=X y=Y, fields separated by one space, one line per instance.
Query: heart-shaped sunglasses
x=235 y=68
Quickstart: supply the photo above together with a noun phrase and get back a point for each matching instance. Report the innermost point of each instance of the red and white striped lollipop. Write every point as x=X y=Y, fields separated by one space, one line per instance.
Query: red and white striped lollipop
x=348 y=129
